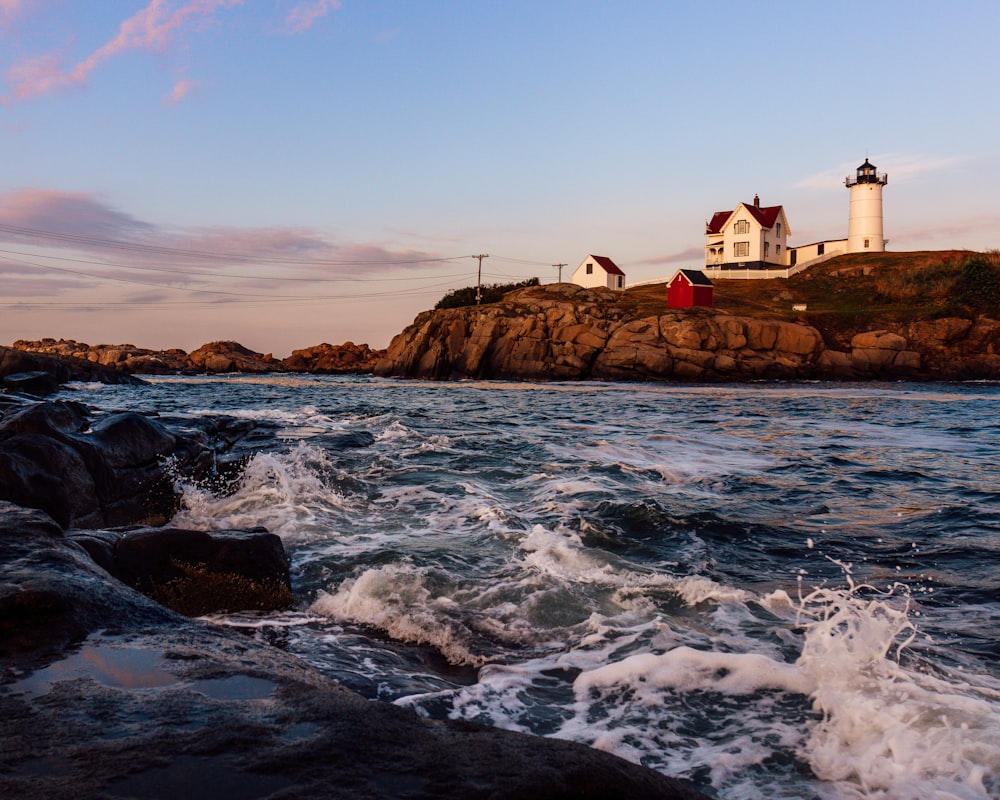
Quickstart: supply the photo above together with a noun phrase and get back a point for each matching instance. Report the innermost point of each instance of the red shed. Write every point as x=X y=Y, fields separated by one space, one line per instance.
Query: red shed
x=689 y=287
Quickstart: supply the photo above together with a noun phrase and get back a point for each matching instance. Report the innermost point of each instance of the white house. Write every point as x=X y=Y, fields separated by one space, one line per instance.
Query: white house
x=597 y=271
x=748 y=237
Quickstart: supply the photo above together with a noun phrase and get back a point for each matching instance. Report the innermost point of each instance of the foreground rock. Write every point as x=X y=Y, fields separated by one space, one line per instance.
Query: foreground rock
x=117 y=471
x=564 y=332
x=105 y=693
x=196 y=572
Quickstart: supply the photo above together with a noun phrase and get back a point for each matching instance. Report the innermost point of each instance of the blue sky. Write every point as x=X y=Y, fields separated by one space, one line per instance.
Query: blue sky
x=286 y=172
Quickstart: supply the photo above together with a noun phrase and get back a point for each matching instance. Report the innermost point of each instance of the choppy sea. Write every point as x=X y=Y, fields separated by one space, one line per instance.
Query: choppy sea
x=774 y=591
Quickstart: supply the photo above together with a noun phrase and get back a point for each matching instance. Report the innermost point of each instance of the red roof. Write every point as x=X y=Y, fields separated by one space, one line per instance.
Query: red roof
x=609 y=266
x=766 y=216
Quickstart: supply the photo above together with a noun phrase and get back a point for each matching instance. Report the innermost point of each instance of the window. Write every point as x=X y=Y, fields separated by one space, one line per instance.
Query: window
x=767 y=247
x=777 y=249
x=820 y=248
x=590 y=269
x=741 y=249
x=741 y=226
x=777 y=229
x=866 y=243
x=621 y=282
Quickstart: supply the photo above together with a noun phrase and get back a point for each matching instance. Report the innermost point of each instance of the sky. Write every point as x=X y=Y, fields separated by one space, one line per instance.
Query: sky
x=289 y=172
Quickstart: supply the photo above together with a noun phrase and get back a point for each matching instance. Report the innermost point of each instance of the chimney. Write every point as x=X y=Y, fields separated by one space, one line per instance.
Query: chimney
x=756 y=201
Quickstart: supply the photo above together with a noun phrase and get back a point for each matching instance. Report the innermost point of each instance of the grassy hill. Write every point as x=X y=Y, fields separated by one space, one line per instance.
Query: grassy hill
x=860 y=291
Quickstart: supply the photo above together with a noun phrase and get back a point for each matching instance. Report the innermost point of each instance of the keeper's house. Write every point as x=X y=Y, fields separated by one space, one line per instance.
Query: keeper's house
x=597 y=271
x=690 y=287
x=748 y=237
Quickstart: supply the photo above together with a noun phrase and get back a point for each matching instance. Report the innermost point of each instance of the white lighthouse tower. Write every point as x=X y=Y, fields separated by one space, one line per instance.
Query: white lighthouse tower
x=864 y=226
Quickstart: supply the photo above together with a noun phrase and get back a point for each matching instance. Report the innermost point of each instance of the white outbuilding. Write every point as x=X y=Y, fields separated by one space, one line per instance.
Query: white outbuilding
x=597 y=271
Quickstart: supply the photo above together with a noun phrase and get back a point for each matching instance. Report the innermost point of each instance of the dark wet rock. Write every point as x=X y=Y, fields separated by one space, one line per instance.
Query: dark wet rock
x=104 y=693
x=38 y=383
x=119 y=472
x=201 y=572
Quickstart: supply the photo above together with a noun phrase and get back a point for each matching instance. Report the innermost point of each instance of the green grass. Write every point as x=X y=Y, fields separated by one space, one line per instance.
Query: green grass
x=858 y=290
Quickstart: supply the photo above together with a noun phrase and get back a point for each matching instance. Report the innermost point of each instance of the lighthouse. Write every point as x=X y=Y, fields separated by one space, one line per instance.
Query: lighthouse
x=864 y=225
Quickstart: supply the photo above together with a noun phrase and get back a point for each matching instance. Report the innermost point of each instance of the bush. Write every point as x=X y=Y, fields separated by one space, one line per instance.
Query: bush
x=978 y=287
x=489 y=293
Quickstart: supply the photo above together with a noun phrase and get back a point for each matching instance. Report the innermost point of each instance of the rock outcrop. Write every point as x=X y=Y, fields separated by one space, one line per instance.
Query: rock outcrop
x=232 y=357
x=118 y=357
x=328 y=359
x=26 y=371
x=104 y=361
x=564 y=332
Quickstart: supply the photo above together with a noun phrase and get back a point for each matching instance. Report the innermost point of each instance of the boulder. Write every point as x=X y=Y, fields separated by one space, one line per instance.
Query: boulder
x=328 y=359
x=227 y=356
x=197 y=572
x=37 y=383
x=117 y=473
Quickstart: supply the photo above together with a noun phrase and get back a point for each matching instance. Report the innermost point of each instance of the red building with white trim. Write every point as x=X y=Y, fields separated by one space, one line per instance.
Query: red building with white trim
x=690 y=287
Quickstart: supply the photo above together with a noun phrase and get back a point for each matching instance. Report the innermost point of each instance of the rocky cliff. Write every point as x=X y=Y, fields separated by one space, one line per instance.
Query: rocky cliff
x=564 y=332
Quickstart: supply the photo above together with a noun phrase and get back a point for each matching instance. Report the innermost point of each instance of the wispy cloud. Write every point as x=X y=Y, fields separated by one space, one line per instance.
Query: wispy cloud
x=691 y=254
x=153 y=28
x=66 y=213
x=11 y=10
x=304 y=15
x=952 y=230
x=53 y=234
x=900 y=166
x=182 y=88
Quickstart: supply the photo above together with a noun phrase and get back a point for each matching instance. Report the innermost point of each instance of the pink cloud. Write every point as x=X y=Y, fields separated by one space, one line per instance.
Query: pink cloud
x=11 y=9
x=65 y=213
x=152 y=28
x=181 y=90
x=304 y=15
x=111 y=239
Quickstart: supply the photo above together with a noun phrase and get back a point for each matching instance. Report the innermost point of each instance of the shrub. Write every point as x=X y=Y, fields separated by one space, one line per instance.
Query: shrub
x=490 y=293
x=978 y=287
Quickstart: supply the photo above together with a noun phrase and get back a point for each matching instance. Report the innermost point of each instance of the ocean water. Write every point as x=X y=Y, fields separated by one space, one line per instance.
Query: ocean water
x=774 y=591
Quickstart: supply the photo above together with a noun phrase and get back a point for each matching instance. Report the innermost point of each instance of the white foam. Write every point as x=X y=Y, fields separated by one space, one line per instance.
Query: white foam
x=287 y=493
x=885 y=729
x=398 y=600
x=890 y=730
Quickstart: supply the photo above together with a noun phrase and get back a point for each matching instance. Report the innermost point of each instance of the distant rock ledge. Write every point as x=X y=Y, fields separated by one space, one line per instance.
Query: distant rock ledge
x=214 y=357
x=565 y=332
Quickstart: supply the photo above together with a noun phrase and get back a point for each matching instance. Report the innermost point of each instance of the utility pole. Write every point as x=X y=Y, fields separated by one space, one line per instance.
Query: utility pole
x=559 y=267
x=479 y=278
